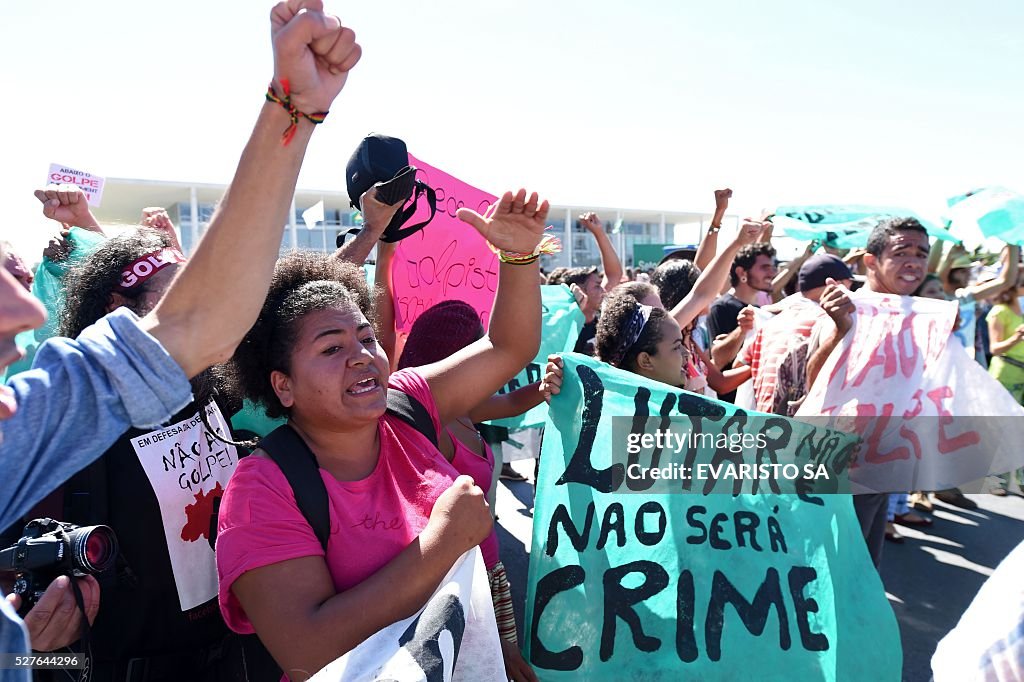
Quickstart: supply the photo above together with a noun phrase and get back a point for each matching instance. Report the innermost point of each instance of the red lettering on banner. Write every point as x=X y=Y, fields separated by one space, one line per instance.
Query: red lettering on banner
x=908 y=349
x=880 y=348
x=948 y=444
x=866 y=414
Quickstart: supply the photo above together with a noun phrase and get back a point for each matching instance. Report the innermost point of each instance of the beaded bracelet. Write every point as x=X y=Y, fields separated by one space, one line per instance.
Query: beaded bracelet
x=549 y=244
x=293 y=113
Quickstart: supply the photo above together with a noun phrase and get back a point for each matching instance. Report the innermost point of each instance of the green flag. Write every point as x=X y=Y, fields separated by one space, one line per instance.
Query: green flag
x=630 y=585
x=561 y=327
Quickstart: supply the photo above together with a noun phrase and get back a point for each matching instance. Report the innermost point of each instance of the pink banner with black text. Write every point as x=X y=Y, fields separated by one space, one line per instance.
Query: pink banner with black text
x=448 y=259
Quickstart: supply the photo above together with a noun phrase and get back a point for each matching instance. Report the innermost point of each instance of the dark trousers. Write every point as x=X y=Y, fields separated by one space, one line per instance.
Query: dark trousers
x=871 y=513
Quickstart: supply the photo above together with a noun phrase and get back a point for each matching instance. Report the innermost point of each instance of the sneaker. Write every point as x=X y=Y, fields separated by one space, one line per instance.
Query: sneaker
x=954 y=497
x=510 y=474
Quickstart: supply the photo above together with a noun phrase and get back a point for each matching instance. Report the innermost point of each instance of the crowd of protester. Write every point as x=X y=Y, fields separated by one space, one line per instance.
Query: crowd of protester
x=238 y=342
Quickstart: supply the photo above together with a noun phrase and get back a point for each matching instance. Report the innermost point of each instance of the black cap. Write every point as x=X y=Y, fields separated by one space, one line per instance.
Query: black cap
x=820 y=267
x=378 y=158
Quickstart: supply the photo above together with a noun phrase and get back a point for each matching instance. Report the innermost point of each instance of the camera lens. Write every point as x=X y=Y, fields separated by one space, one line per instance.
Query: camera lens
x=94 y=548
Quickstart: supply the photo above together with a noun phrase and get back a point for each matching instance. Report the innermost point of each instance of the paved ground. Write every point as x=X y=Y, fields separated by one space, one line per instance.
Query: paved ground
x=930 y=578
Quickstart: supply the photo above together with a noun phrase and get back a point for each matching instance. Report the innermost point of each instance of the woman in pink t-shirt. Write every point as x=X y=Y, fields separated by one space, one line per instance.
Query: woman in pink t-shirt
x=400 y=515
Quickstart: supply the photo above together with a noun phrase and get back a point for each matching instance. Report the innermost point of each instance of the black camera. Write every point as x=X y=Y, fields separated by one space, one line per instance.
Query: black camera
x=50 y=549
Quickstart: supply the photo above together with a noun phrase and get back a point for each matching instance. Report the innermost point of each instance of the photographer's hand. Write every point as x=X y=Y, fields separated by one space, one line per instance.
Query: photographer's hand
x=55 y=621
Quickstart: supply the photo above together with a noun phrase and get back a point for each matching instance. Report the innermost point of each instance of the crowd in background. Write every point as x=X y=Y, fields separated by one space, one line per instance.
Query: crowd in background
x=237 y=342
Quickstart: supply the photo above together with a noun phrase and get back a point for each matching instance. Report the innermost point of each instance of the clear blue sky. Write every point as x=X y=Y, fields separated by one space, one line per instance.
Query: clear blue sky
x=650 y=104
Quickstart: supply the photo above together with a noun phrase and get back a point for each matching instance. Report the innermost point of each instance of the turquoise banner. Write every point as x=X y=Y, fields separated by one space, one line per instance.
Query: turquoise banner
x=997 y=211
x=628 y=586
x=845 y=226
x=561 y=327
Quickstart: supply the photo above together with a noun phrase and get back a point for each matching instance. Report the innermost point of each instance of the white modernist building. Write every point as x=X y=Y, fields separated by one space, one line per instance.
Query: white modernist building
x=191 y=205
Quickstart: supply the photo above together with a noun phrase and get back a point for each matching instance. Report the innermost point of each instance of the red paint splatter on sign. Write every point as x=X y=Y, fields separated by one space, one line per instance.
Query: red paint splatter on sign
x=198 y=515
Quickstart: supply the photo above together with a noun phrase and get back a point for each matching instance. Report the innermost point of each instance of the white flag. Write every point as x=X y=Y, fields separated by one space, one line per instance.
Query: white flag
x=313 y=215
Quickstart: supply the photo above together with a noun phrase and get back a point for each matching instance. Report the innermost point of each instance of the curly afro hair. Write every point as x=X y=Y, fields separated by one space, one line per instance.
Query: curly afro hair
x=617 y=311
x=89 y=284
x=638 y=290
x=674 y=280
x=303 y=282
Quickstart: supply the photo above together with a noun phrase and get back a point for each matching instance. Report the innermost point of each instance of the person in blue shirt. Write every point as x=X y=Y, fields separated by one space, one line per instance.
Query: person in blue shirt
x=124 y=371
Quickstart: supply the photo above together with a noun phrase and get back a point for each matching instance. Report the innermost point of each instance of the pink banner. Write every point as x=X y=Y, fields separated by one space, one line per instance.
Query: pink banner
x=447 y=259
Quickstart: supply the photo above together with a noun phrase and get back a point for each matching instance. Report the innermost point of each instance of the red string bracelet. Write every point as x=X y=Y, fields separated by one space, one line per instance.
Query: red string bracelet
x=293 y=113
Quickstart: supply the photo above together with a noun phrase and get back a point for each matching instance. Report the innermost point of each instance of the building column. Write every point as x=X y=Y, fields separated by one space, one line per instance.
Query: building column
x=568 y=236
x=193 y=200
x=291 y=226
x=620 y=238
x=662 y=235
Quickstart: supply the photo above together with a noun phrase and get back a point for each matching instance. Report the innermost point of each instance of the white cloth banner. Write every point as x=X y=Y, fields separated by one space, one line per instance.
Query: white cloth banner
x=929 y=416
x=453 y=638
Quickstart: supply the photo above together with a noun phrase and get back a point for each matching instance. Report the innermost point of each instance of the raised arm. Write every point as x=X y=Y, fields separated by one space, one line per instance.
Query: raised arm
x=610 y=262
x=709 y=244
x=376 y=216
x=790 y=269
x=157 y=218
x=465 y=379
x=1007 y=278
x=69 y=206
x=711 y=280
x=385 y=300
x=946 y=264
x=836 y=302
x=218 y=294
x=511 y=404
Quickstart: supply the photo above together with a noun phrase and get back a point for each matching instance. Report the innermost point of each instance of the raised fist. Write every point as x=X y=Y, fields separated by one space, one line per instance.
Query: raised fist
x=722 y=197
x=836 y=302
x=591 y=222
x=313 y=52
x=156 y=217
x=749 y=232
x=66 y=204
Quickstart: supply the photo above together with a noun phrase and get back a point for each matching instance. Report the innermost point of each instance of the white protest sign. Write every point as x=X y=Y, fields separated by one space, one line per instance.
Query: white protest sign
x=930 y=417
x=453 y=638
x=91 y=184
x=189 y=471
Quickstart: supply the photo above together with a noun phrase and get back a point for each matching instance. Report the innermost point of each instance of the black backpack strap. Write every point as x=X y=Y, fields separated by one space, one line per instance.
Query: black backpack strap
x=412 y=412
x=298 y=463
x=407 y=213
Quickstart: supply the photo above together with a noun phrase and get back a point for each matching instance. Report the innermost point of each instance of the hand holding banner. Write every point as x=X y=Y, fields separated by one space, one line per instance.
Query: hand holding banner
x=929 y=414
